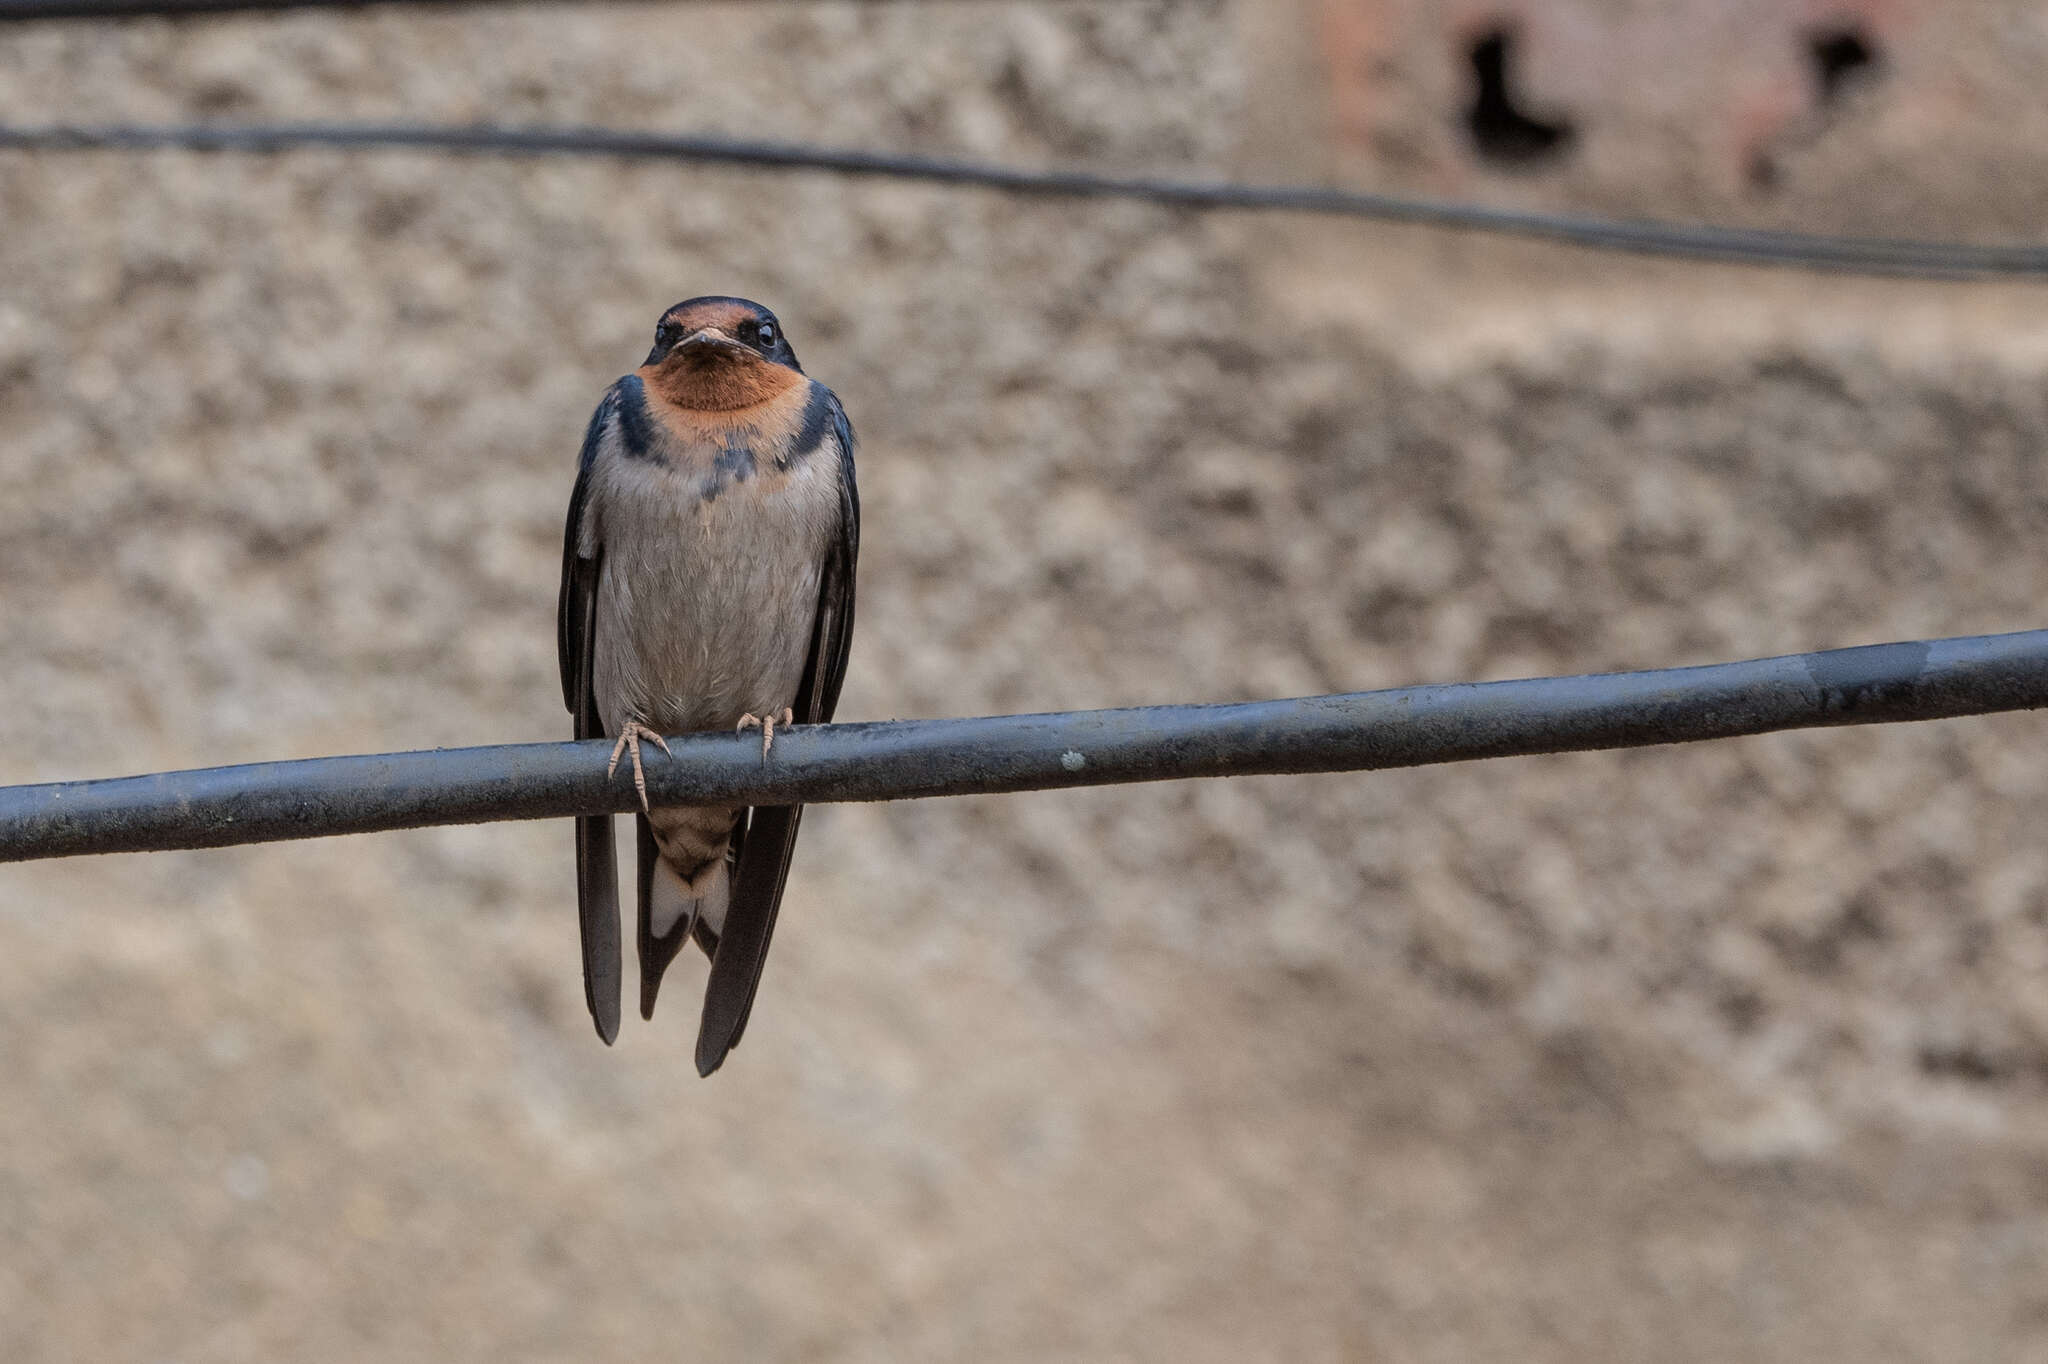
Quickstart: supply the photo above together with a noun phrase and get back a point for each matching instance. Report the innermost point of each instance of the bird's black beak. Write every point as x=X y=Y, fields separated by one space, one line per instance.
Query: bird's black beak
x=706 y=341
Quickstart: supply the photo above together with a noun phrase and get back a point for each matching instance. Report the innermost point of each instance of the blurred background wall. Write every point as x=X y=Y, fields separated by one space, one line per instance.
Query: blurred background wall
x=1735 y=1051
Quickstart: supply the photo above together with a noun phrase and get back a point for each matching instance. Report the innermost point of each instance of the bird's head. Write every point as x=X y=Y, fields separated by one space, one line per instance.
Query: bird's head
x=720 y=354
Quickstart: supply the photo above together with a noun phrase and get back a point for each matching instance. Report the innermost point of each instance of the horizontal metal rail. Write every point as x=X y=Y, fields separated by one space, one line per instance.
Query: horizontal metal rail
x=900 y=760
x=1744 y=246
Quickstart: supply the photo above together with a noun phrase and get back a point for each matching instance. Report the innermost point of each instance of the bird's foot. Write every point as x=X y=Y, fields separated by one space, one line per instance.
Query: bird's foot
x=766 y=724
x=629 y=742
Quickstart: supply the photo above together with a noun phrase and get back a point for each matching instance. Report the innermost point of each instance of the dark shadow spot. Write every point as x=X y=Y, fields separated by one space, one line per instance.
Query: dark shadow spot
x=1067 y=576
x=536 y=995
x=1840 y=56
x=1388 y=616
x=1233 y=502
x=1820 y=950
x=1741 y=1008
x=1965 y=1061
x=1502 y=131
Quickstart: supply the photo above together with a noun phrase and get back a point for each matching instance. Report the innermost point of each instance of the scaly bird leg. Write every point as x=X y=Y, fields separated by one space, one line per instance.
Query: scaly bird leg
x=629 y=742
x=766 y=724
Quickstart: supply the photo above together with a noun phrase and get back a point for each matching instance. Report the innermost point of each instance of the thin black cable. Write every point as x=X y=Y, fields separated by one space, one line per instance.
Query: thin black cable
x=26 y=10
x=14 y=11
x=1364 y=731
x=1861 y=255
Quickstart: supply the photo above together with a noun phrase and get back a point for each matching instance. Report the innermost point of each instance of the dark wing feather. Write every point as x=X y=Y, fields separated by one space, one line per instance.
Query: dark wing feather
x=770 y=836
x=597 y=868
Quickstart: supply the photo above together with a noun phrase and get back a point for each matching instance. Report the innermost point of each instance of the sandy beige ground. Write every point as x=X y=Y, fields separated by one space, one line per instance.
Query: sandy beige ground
x=1736 y=1052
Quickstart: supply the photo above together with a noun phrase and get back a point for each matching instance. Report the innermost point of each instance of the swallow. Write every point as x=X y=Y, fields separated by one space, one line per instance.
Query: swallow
x=707 y=584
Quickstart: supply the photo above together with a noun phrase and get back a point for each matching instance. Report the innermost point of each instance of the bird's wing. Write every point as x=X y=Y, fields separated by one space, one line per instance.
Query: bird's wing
x=770 y=834
x=597 y=869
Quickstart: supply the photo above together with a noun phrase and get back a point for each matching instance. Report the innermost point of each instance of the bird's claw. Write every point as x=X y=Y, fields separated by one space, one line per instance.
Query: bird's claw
x=629 y=742
x=766 y=724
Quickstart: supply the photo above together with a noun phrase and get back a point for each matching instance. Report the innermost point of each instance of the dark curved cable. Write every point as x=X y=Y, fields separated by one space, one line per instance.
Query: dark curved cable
x=1861 y=255
x=1363 y=731
x=18 y=10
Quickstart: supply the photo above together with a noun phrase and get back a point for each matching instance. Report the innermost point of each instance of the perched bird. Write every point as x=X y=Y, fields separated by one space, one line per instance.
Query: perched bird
x=707 y=583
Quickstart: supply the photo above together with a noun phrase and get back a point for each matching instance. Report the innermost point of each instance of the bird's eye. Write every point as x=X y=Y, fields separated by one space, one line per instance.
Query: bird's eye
x=766 y=336
x=665 y=334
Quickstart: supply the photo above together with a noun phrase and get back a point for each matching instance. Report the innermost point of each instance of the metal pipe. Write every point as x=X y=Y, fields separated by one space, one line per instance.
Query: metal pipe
x=901 y=760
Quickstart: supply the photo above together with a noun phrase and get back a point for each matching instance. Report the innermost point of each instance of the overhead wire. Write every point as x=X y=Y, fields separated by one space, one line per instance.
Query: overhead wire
x=1705 y=242
x=27 y=10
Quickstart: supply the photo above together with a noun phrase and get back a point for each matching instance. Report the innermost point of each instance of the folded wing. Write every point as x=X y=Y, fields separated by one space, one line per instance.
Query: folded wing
x=597 y=870
x=769 y=835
